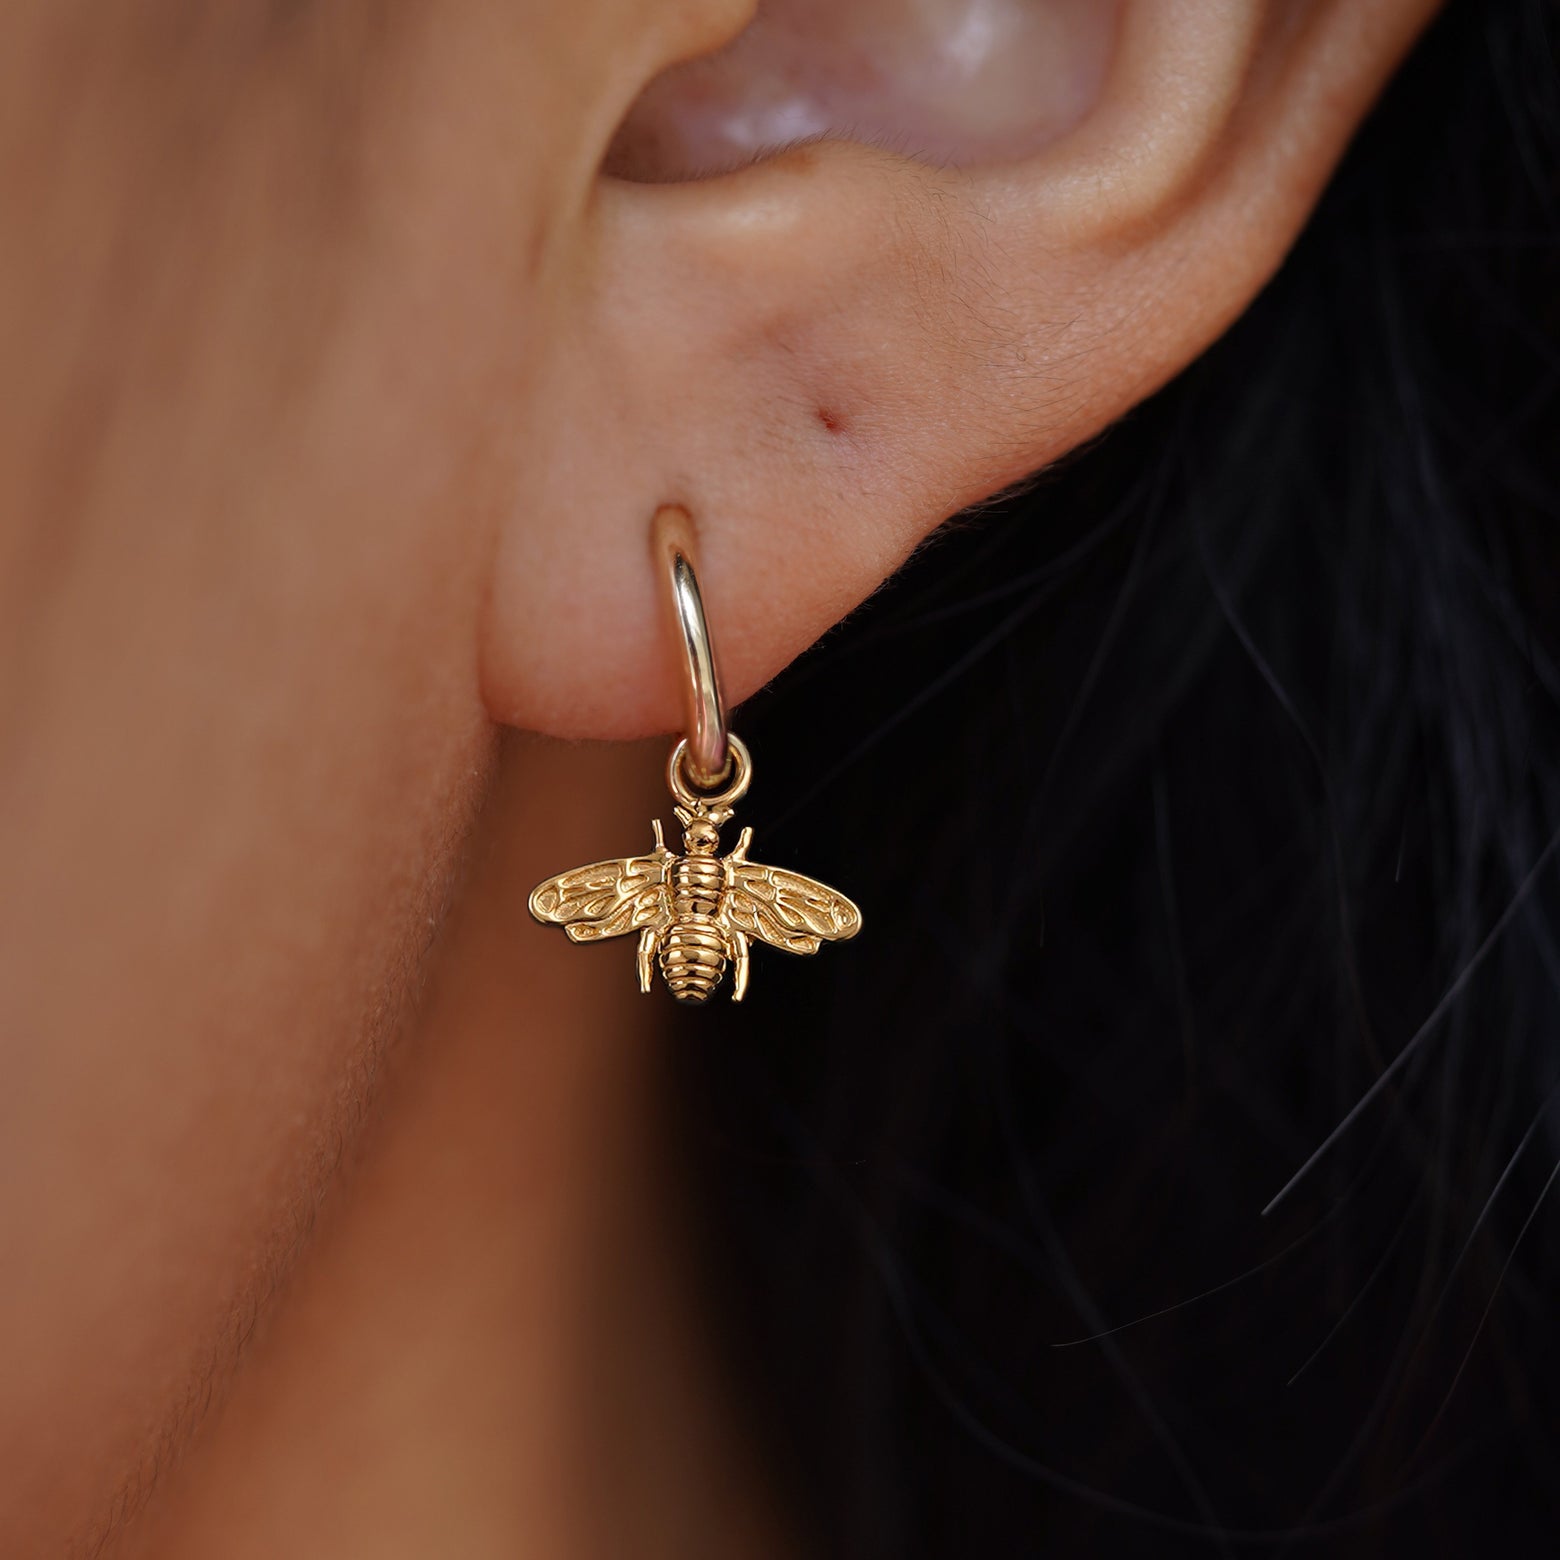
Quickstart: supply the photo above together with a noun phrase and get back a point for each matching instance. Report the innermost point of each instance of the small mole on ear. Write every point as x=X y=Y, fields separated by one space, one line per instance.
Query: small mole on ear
x=831 y=420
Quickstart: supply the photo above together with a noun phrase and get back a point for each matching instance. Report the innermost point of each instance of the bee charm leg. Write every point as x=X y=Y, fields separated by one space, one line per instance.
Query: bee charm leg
x=647 y=942
x=739 y=965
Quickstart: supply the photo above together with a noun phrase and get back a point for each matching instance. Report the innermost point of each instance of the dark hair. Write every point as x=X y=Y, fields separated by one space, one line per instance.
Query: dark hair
x=1200 y=793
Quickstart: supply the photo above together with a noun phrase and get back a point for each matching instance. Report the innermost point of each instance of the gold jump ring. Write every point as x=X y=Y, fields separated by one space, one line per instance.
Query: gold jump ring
x=706 y=752
x=740 y=769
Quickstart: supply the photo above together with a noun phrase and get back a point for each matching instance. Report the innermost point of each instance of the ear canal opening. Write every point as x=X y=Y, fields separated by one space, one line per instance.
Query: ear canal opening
x=958 y=83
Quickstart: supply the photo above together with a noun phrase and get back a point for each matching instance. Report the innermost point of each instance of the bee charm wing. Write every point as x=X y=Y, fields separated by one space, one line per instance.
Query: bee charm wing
x=785 y=909
x=607 y=898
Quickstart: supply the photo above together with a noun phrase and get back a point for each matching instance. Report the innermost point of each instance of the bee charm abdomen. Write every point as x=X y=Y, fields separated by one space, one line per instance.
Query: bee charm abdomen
x=693 y=959
x=693 y=948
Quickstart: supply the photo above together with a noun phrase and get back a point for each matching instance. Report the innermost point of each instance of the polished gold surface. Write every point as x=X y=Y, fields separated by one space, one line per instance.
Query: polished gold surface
x=672 y=541
x=697 y=913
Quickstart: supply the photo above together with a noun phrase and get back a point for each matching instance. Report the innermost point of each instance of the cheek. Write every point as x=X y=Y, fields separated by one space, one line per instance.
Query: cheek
x=237 y=776
x=240 y=737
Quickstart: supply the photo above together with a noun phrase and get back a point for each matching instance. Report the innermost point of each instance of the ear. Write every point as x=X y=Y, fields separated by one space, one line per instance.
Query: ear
x=825 y=353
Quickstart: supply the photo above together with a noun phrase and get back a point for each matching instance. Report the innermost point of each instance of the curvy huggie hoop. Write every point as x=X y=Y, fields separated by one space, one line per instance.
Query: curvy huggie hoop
x=739 y=765
x=708 y=743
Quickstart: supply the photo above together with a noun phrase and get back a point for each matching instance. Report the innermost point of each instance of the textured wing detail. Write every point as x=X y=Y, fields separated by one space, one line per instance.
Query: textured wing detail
x=607 y=898
x=786 y=909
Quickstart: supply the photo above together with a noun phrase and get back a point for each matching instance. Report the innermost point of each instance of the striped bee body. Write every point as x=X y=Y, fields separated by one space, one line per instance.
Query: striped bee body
x=693 y=949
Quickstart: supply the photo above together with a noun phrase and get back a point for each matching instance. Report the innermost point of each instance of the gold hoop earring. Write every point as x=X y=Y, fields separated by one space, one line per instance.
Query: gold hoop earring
x=696 y=912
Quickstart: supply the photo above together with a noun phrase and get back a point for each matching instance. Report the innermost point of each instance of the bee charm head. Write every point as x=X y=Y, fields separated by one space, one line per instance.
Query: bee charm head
x=701 y=830
x=697 y=913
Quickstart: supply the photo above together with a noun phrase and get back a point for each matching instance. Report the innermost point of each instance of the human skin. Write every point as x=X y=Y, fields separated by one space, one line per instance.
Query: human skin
x=255 y=441
x=495 y=1344
x=337 y=388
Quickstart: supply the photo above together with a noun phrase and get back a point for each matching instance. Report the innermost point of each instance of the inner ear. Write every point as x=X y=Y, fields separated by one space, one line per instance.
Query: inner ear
x=955 y=82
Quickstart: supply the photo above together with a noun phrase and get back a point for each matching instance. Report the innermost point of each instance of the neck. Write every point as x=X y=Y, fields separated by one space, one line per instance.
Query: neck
x=493 y=1346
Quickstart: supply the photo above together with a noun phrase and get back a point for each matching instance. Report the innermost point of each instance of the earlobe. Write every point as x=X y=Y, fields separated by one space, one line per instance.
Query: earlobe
x=825 y=354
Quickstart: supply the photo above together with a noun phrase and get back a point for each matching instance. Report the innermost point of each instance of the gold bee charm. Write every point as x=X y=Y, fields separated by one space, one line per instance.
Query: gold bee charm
x=698 y=912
